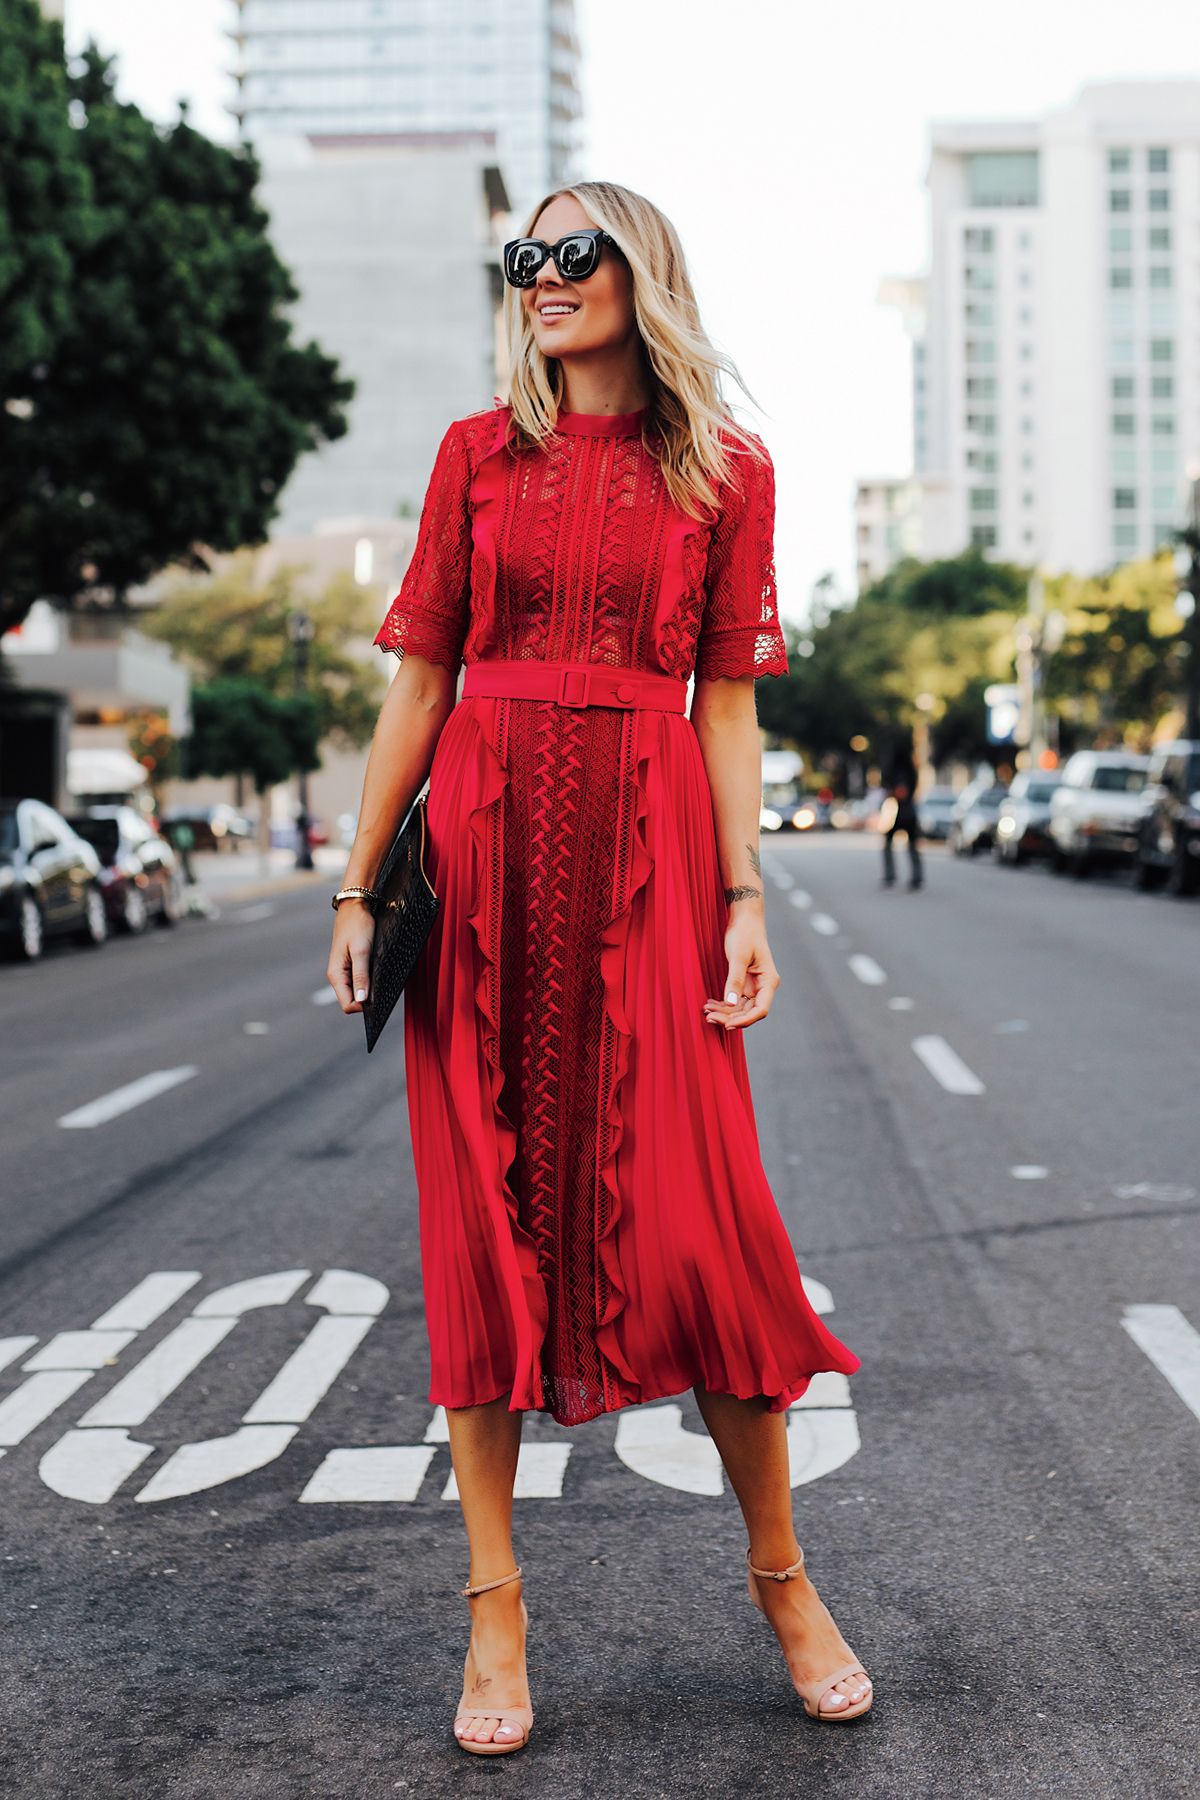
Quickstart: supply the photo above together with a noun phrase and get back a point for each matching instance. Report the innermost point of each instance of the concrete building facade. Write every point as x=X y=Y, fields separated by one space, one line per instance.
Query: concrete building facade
x=375 y=67
x=1056 y=374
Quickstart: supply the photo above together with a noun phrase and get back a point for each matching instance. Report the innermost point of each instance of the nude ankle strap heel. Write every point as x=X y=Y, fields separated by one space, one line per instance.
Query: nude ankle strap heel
x=811 y=1692
x=520 y=1716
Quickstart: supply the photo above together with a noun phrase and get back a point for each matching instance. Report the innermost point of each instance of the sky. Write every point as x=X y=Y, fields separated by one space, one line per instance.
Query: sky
x=787 y=140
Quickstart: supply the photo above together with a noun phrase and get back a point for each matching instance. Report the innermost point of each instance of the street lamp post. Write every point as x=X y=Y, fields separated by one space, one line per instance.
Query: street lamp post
x=301 y=631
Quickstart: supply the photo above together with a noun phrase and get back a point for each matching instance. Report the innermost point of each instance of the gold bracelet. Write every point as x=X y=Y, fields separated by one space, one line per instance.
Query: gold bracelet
x=355 y=893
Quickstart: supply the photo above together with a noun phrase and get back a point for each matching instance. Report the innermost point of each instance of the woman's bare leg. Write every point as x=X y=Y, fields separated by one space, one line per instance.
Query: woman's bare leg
x=753 y=1446
x=484 y=1445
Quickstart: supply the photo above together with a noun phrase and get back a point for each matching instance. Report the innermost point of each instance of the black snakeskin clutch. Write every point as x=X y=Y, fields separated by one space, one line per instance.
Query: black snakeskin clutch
x=404 y=915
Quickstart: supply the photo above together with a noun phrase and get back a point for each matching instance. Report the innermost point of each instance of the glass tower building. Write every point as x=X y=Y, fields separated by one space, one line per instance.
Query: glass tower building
x=376 y=68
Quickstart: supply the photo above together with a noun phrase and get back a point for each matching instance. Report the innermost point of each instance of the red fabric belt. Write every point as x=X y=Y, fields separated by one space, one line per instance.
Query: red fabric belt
x=575 y=684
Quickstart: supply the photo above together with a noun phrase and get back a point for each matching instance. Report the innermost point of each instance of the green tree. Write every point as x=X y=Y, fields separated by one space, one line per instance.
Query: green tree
x=238 y=729
x=165 y=417
x=1119 y=666
x=228 y=626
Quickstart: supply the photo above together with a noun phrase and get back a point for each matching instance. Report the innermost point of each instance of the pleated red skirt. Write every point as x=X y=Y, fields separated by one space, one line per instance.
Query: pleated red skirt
x=597 y=1228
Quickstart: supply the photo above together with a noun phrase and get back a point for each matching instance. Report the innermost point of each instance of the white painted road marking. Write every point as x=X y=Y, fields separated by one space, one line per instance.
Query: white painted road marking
x=800 y=897
x=324 y=996
x=1028 y=1172
x=148 y=1301
x=1172 y=1345
x=867 y=970
x=824 y=924
x=381 y=1472
x=124 y=1099
x=250 y=915
x=947 y=1066
x=901 y=1003
x=92 y=1461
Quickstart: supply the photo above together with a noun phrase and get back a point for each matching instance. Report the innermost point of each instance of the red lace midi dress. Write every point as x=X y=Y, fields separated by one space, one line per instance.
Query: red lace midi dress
x=596 y=1225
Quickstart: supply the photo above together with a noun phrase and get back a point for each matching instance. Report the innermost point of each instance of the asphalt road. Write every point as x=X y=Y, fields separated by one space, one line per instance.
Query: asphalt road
x=199 y=1597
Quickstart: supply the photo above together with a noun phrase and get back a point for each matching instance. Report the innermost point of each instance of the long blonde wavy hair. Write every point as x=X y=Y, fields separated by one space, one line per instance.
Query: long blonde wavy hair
x=698 y=434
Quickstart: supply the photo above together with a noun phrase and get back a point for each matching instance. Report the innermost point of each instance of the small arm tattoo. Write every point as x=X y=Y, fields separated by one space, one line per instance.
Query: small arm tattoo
x=754 y=862
x=742 y=893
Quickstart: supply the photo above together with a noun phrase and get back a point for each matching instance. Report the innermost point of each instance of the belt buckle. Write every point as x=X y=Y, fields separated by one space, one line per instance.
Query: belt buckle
x=582 y=696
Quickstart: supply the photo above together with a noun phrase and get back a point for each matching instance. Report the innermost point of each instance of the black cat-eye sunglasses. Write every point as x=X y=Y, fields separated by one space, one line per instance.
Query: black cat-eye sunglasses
x=575 y=257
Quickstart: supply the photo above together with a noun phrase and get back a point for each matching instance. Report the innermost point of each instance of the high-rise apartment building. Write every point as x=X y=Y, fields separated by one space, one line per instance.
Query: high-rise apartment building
x=334 y=68
x=1056 y=373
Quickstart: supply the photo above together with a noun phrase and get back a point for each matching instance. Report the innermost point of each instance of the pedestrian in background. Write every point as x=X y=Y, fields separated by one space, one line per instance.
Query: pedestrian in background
x=596 y=1226
x=900 y=814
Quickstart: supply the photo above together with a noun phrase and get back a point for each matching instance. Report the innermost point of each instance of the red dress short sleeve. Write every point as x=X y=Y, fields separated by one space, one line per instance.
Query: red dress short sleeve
x=740 y=633
x=430 y=614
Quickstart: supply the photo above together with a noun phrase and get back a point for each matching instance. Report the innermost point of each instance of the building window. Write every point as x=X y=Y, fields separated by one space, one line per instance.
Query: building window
x=983 y=499
x=978 y=237
x=979 y=314
x=1124 y=461
x=1120 y=277
x=1124 y=499
x=1162 y=387
x=1125 y=536
x=981 y=387
x=982 y=460
x=1026 y=389
x=1002 y=178
x=983 y=537
x=1162 y=459
x=1120 y=352
x=1162 y=349
x=1158 y=199
x=1024 y=240
x=1122 y=387
x=1120 y=239
x=1163 y=497
x=983 y=423
x=1160 y=237
x=1027 y=426
x=979 y=275
x=981 y=350
x=1163 y=425
x=1118 y=200
x=1027 y=498
x=1118 y=162
x=1158 y=160
x=1123 y=424
x=1160 y=275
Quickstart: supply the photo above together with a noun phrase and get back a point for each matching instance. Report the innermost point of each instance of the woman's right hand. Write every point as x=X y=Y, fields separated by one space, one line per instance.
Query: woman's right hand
x=350 y=953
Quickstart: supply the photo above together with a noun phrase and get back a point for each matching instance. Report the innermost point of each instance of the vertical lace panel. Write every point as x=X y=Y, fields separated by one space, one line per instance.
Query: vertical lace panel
x=429 y=615
x=740 y=633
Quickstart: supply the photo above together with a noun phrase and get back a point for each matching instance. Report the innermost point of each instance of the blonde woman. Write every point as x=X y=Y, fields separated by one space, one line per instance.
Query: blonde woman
x=596 y=1227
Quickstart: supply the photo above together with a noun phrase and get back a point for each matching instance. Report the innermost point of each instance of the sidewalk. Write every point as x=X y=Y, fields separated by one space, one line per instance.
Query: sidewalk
x=250 y=874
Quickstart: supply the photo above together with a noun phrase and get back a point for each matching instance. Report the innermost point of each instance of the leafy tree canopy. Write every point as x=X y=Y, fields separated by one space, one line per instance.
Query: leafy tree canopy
x=162 y=409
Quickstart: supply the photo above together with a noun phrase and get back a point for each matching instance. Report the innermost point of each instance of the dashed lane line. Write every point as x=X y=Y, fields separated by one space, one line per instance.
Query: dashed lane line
x=947 y=1066
x=867 y=970
x=821 y=922
x=1172 y=1345
x=124 y=1099
x=800 y=897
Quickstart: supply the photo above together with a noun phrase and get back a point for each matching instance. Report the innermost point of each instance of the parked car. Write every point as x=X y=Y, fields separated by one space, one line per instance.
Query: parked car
x=973 y=820
x=49 y=881
x=139 y=871
x=213 y=827
x=934 y=812
x=1095 y=810
x=1168 y=845
x=861 y=814
x=1023 y=822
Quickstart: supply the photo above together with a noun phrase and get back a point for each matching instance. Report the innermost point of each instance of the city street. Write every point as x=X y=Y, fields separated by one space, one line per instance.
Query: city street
x=233 y=1547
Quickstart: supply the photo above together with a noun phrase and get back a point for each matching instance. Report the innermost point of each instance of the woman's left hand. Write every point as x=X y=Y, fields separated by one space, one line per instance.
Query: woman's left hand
x=752 y=979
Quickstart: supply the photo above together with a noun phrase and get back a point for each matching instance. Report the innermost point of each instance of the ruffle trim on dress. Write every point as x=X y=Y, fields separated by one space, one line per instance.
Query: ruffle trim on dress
x=526 y=1295
x=614 y=940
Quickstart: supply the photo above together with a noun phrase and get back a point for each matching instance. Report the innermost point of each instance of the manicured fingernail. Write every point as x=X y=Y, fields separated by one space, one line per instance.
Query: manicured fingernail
x=360 y=993
x=731 y=997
